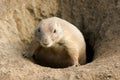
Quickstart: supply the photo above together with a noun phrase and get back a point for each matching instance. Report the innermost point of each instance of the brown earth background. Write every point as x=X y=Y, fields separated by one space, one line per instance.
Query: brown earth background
x=99 y=20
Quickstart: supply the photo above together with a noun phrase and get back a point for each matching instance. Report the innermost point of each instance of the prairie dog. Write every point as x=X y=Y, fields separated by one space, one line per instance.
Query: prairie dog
x=58 y=42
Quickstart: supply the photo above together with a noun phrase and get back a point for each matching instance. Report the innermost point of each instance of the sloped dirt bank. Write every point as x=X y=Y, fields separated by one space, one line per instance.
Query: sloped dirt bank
x=99 y=20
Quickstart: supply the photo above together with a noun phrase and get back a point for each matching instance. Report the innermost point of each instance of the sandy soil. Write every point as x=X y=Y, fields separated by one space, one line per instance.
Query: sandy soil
x=99 y=20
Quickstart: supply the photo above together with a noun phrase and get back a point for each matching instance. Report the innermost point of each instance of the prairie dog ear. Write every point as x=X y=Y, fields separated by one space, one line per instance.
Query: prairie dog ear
x=57 y=24
x=58 y=27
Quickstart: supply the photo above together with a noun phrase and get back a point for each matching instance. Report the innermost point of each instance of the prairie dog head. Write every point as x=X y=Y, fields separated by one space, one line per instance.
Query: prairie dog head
x=48 y=32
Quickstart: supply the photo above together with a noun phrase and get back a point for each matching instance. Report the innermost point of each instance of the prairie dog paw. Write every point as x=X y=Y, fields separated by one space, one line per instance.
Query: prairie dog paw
x=76 y=65
x=25 y=54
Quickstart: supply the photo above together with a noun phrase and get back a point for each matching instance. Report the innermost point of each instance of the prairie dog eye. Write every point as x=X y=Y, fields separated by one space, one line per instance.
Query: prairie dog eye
x=38 y=30
x=54 y=31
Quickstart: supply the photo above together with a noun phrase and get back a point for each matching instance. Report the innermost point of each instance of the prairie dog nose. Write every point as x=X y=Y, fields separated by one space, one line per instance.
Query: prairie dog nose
x=45 y=42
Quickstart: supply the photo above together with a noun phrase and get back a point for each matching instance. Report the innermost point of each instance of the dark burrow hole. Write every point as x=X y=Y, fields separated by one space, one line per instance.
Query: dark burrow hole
x=89 y=52
x=89 y=58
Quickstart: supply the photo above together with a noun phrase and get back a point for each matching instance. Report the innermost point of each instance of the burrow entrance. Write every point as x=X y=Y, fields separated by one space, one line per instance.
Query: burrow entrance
x=89 y=58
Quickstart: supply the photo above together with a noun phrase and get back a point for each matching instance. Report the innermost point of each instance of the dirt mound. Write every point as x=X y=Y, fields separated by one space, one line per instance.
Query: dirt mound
x=99 y=20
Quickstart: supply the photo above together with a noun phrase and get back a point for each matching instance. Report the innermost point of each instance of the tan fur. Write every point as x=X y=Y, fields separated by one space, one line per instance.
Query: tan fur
x=58 y=42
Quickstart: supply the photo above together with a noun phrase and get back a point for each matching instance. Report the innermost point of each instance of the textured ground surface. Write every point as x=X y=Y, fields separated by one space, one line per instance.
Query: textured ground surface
x=99 y=20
